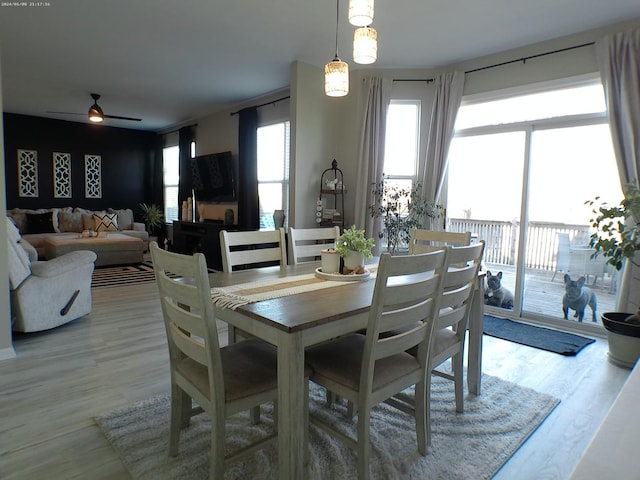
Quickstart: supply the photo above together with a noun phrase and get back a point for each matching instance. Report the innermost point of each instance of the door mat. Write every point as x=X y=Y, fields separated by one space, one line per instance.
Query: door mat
x=567 y=344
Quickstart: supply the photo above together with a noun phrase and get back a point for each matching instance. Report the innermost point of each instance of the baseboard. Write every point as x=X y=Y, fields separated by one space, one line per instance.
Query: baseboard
x=7 y=353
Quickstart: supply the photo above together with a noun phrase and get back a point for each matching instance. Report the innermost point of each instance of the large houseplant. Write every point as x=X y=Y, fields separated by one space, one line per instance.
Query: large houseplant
x=401 y=209
x=152 y=216
x=353 y=246
x=617 y=237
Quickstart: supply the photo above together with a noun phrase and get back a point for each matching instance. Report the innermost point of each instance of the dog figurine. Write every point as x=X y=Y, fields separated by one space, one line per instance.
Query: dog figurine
x=577 y=297
x=496 y=295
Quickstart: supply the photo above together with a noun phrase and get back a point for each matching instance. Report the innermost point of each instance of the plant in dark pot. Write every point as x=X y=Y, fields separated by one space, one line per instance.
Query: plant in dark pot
x=617 y=237
x=152 y=217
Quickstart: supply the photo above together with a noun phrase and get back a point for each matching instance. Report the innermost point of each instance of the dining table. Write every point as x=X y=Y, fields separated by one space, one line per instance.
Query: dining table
x=305 y=315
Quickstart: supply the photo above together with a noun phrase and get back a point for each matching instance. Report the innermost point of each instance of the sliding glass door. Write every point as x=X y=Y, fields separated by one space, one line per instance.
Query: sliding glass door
x=521 y=168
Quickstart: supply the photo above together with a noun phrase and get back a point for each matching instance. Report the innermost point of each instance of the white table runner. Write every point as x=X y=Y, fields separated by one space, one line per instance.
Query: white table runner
x=237 y=295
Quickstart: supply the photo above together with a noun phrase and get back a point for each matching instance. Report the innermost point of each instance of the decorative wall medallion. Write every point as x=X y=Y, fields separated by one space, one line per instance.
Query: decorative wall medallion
x=61 y=175
x=93 y=176
x=27 y=173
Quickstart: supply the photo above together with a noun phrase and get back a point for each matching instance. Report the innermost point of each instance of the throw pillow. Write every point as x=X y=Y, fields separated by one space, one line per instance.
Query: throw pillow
x=125 y=218
x=40 y=222
x=70 y=222
x=107 y=222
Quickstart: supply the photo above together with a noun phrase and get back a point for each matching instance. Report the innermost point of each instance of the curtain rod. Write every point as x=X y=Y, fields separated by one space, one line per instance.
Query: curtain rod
x=524 y=59
x=428 y=80
x=264 y=104
x=178 y=129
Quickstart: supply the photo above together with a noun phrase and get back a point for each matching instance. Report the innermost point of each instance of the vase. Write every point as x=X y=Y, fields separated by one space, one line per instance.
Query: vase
x=228 y=216
x=353 y=260
x=278 y=218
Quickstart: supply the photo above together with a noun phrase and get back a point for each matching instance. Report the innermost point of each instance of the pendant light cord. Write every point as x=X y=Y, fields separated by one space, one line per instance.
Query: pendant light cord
x=337 y=23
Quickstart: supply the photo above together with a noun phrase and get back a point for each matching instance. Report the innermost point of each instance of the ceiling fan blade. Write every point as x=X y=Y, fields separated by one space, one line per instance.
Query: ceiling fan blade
x=66 y=113
x=116 y=117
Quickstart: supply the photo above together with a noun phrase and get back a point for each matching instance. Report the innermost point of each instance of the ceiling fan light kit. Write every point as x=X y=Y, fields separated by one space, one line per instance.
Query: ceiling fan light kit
x=95 y=112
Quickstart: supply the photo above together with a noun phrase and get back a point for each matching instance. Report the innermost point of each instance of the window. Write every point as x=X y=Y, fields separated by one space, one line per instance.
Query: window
x=401 y=142
x=521 y=167
x=273 y=171
x=171 y=178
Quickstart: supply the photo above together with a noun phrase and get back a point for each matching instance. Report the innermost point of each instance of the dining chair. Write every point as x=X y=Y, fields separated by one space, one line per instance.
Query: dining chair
x=306 y=244
x=221 y=381
x=367 y=369
x=459 y=284
x=421 y=241
x=252 y=249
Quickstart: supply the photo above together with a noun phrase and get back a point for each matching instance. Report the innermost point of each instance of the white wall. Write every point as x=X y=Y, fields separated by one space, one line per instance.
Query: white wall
x=6 y=340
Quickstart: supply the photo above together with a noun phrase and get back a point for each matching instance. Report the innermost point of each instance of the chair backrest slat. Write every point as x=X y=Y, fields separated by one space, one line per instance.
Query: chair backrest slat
x=252 y=249
x=422 y=241
x=306 y=244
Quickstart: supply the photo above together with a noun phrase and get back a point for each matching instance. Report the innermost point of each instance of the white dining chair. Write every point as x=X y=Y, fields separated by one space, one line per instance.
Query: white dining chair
x=252 y=249
x=221 y=381
x=367 y=369
x=421 y=240
x=306 y=244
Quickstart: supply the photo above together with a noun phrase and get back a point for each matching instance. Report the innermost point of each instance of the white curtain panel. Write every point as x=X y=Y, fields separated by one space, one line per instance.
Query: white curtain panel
x=448 y=96
x=618 y=57
x=371 y=152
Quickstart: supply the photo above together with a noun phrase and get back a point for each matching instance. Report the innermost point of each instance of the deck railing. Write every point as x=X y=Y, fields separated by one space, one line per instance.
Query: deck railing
x=501 y=240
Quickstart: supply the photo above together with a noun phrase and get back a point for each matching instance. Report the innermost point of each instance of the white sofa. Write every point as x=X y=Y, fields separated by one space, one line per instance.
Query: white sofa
x=37 y=225
x=45 y=295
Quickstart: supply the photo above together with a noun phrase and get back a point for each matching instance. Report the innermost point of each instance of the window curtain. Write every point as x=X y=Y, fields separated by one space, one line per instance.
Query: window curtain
x=618 y=58
x=248 y=202
x=446 y=102
x=371 y=153
x=185 y=186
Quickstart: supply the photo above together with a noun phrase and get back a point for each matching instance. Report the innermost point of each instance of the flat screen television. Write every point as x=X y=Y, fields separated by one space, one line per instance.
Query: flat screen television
x=213 y=177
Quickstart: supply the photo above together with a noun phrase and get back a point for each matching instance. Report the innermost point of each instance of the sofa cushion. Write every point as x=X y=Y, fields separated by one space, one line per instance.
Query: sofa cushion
x=19 y=217
x=125 y=218
x=19 y=264
x=70 y=221
x=107 y=222
x=40 y=222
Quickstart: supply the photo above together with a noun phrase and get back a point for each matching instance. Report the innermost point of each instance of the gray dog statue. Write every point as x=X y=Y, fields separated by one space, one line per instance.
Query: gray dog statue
x=577 y=297
x=496 y=295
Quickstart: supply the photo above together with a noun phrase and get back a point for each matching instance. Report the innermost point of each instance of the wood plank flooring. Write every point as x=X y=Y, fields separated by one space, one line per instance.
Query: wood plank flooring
x=117 y=355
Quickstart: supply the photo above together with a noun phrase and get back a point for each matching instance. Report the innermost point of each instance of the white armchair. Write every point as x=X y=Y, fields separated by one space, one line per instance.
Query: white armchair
x=45 y=295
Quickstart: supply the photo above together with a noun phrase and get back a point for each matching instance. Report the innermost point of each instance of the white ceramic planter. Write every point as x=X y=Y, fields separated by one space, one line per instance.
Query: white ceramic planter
x=624 y=339
x=353 y=260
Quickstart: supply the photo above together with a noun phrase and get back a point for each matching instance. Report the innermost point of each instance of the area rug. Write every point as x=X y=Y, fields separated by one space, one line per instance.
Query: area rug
x=538 y=337
x=117 y=276
x=471 y=445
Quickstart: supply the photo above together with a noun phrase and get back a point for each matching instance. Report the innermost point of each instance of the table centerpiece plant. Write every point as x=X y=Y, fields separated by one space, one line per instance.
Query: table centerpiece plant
x=354 y=247
x=617 y=237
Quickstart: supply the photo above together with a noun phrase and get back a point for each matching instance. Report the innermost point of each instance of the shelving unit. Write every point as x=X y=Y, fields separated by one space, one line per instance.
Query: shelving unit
x=331 y=217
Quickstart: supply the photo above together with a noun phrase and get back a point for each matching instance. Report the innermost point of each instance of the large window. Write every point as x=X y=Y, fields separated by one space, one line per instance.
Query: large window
x=521 y=168
x=273 y=171
x=171 y=179
x=401 y=143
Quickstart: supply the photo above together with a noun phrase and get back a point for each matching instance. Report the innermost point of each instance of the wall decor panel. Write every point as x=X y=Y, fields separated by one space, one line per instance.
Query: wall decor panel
x=61 y=175
x=27 y=173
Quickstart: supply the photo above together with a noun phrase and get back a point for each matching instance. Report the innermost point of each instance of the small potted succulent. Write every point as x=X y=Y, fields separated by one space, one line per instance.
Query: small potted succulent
x=354 y=247
x=617 y=237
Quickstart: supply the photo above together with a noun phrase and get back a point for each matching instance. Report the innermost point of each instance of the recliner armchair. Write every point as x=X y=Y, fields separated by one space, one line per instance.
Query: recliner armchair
x=45 y=295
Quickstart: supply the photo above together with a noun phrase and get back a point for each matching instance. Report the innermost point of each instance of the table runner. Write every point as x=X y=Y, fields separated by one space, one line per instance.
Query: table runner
x=235 y=296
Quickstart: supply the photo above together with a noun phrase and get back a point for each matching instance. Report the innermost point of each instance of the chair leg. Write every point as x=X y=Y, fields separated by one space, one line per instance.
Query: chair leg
x=306 y=421
x=457 y=365
x=427 y=409
x=216 y=465
x=352 y=409
x=364 y=444
x=255 y=415
x=177 y=418
x=421 y=417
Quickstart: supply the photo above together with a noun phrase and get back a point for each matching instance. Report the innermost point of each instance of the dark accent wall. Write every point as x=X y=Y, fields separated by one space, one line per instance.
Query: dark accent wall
x=127 y=162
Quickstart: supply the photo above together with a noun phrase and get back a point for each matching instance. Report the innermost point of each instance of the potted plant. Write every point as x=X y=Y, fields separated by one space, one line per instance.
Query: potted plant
x=152 y=216
x=617 y=237
x=401 y=210
x=354 y=247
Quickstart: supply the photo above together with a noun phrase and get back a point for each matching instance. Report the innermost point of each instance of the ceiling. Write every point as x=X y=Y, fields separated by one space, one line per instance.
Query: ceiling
x=173 y=61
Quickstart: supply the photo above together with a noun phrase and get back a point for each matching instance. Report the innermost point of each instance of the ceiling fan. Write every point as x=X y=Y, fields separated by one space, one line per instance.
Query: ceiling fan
x=96 y=115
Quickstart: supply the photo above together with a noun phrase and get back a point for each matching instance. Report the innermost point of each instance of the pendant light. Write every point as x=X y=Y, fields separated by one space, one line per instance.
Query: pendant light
x=360 y=12
x=336 y=72
x=365 y=45
x=95 y=112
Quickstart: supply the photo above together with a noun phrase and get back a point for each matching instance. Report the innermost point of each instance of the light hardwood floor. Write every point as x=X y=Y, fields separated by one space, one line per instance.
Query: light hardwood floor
x=117 y=355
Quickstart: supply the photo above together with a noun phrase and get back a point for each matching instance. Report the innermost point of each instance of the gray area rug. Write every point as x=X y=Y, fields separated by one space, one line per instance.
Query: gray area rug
x=471 y=445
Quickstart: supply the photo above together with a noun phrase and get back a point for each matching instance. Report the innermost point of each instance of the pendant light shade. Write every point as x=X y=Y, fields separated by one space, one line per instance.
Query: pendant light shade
x=360 y=12
x=365 y=45
x=336 y=78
